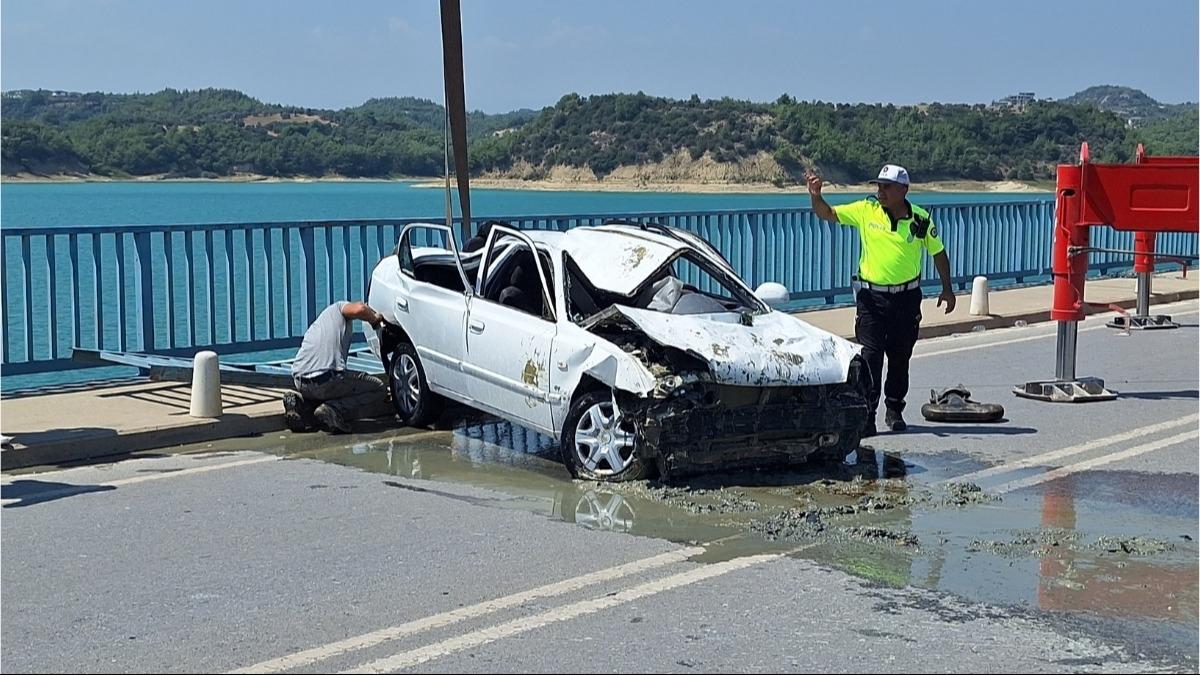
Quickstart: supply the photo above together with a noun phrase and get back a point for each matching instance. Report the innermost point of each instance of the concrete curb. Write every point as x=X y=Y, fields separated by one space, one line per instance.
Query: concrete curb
x=120 y=443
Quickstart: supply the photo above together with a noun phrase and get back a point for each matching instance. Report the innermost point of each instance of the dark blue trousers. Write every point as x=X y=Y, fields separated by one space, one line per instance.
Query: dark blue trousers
x=887 y=325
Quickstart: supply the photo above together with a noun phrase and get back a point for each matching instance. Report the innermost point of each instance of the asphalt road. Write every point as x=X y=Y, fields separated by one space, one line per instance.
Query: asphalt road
x=470 y=550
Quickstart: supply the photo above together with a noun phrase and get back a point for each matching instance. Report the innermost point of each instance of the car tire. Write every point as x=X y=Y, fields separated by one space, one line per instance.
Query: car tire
x=598 y=443
x=414 y=403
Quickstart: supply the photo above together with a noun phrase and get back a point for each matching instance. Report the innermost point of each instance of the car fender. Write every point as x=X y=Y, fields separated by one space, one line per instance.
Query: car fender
x=386 y=285
x=610 y=365
x=579 y=353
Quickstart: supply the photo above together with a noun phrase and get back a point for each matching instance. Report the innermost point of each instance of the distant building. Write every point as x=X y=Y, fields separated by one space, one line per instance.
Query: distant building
x=1018 y=100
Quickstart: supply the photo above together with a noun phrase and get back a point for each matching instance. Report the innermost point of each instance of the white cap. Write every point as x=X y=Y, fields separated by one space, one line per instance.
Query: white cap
x=890 y=173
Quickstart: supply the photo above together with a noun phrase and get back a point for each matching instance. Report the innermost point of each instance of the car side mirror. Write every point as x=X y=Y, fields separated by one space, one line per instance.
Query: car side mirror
x=772 y=293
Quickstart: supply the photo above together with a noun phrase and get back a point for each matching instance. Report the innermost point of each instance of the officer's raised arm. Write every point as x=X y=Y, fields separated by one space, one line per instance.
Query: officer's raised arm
x=819 y=206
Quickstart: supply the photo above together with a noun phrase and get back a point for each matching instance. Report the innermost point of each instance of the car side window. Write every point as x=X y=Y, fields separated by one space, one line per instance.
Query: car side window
x=512 y=278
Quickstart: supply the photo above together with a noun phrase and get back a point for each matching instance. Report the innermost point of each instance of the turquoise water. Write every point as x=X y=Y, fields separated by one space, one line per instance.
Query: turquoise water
x=83 y=204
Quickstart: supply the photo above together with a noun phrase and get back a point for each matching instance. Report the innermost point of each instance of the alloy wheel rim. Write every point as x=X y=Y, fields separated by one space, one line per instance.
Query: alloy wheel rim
x=600 y=439
x=408 y=384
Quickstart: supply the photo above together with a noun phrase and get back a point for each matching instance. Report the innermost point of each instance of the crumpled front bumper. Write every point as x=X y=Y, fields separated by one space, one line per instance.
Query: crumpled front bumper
x=721 y=427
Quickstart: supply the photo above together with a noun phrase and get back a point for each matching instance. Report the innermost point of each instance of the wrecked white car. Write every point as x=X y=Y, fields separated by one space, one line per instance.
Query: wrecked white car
x=637 y=347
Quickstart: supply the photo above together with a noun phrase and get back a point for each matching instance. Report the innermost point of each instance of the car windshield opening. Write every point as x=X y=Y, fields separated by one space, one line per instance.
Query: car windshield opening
x=687 y=285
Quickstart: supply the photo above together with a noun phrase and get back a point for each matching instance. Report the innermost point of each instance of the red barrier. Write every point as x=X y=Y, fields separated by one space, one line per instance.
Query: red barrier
x=1158 y=194
x=1155 y=194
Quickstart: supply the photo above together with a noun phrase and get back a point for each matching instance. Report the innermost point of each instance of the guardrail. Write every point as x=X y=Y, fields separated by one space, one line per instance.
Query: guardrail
x=242 y=287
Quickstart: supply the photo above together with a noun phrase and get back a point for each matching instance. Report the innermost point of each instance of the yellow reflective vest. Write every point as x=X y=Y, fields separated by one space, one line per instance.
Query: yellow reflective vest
x=891 y=254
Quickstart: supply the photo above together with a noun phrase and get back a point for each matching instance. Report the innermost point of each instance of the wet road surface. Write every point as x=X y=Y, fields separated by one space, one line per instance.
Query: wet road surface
x=1063 y=538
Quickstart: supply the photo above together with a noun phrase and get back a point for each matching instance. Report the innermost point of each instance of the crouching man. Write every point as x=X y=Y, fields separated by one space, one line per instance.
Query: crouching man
x=327 y=395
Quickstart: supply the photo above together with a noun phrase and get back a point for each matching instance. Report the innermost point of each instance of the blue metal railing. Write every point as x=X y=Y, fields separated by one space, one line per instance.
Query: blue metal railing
x=256 y=286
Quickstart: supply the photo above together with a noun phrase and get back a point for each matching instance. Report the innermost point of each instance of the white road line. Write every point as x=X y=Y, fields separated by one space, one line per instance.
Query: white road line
x=309 y=656
x=1026 y=338
x=1043 y=458
x=480 y=637
x=89 y=487
x=1099 y=461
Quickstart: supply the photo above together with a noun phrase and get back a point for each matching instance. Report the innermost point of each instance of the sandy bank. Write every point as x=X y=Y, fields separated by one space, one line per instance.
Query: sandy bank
x=595 y=185
x=609 y=185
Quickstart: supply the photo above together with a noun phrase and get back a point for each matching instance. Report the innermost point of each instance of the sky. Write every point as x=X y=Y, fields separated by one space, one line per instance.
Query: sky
x=529 y=53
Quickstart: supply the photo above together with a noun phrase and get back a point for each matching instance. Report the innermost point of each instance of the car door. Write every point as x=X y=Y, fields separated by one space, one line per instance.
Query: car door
x=508 y=347
x=435 y=317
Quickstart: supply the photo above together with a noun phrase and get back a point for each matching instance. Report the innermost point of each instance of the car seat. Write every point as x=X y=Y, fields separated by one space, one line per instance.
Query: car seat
x=522 y=291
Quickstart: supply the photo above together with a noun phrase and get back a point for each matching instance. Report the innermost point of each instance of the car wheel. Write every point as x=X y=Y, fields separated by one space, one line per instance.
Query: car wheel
x=415 y=405
x=599 y=443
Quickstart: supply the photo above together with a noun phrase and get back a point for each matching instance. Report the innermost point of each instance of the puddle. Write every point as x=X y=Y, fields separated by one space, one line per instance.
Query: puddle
x=1102 y=543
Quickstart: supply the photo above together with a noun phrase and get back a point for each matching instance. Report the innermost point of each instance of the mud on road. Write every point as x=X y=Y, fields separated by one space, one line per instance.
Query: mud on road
x=899 y=520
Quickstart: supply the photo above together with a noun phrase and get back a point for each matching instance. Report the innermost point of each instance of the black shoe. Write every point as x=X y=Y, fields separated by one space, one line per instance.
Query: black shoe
x=895 y=421
x=298 y=413
x=331 y=420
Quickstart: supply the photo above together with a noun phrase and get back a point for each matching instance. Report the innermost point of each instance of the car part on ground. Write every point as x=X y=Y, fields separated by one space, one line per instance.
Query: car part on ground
x=955 y=405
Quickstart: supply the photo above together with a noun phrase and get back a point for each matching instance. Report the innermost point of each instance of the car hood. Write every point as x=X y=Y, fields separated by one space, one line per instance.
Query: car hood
x=776 y=350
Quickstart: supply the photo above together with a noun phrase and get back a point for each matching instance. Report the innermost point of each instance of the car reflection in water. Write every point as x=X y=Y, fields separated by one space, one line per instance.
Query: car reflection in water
x=606 y=511
x=501 y=442
x=525 y=467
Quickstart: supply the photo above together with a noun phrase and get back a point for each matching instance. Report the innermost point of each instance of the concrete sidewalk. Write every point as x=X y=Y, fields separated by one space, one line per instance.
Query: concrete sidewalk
x=60 y=428
x=1030 y=304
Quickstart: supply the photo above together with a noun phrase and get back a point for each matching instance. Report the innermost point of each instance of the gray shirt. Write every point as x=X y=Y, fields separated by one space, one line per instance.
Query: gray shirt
x=326 y=343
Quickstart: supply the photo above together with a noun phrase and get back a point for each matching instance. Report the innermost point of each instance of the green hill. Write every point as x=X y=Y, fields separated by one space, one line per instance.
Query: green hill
x=1130 y=104
x=219 y=132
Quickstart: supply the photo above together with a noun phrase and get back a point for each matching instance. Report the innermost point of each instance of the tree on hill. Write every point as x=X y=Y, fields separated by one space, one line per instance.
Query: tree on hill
x=218 y=132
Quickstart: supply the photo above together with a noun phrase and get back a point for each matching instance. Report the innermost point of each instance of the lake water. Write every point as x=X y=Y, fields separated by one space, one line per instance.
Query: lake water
x=170 y=203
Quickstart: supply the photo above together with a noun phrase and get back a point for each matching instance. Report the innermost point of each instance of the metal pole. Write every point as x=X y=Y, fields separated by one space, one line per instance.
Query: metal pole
x=1143 y=294
x=456 y=105
x=1068 y=337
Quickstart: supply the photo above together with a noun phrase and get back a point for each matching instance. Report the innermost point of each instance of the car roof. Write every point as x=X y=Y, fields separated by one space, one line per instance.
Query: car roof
x=614 y=258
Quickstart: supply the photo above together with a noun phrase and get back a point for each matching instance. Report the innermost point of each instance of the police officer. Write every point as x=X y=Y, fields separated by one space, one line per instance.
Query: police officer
x=894 y=233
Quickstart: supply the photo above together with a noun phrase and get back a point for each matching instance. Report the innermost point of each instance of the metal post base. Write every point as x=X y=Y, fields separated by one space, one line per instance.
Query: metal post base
x=1066 y=391
x=1156 y=322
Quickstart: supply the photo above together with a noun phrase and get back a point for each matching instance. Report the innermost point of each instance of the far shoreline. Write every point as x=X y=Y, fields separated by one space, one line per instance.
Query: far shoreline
x=610 y=185
x=739 y=188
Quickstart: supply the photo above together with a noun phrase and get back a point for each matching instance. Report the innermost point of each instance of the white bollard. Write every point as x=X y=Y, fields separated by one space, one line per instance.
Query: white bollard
x=206 y=386
x=979 y=297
